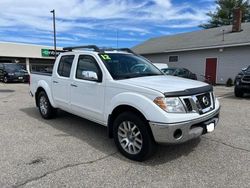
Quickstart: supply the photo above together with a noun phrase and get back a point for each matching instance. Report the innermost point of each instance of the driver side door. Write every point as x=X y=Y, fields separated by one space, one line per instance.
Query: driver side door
x=87 y=92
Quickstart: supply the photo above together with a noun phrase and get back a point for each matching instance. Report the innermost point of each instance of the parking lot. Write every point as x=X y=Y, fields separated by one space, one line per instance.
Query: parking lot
x=72 y=152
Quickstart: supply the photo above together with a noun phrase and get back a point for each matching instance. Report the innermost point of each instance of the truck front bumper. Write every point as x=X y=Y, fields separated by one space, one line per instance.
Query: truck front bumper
x=180 y=132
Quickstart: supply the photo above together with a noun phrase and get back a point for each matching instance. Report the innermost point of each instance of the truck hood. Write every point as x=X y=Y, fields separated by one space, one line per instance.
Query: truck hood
x=165 y=83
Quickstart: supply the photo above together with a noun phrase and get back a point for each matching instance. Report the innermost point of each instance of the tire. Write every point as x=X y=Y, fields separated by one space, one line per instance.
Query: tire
x=44 y=106
x=5 y=80
x=133 y=137
x=238 y=92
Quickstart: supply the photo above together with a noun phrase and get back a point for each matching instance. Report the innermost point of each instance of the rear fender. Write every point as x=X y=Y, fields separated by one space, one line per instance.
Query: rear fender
x=44 y=85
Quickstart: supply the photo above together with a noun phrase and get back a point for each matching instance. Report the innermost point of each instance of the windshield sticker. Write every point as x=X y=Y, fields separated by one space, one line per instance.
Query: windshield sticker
x=105 y=57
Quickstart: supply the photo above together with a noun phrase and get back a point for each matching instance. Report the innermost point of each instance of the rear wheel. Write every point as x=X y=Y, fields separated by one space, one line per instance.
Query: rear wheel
x=45 y=108
x=238 y=92
x=132 y=136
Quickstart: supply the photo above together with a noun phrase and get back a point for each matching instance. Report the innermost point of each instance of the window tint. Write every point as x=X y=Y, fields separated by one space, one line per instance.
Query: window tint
x=65 y=64
x=87 y=63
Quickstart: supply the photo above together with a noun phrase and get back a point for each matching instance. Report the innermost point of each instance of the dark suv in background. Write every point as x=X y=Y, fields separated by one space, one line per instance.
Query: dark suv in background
x=13 y=72
x=242 y=82
x=180 y=72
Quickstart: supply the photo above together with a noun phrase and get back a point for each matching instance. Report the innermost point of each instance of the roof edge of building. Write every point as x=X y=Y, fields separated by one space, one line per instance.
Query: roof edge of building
x=200 y=48
x=29 y=44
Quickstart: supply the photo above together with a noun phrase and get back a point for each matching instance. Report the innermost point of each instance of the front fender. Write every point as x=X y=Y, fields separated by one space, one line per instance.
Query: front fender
x=46 y=87
x=143 y=104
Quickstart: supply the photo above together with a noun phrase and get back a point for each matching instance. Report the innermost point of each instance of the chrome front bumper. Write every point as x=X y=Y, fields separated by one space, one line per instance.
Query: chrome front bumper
x=174 y=133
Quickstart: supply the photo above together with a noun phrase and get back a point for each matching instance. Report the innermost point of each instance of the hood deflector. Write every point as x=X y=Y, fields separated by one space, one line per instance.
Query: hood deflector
x=190 y=92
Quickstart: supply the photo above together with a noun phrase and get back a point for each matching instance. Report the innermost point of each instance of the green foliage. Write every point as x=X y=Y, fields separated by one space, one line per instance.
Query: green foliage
x=223 y=15
x=229 y=82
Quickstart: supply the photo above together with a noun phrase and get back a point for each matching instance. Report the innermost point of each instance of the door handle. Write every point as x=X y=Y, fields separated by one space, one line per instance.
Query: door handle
x=73 y=85
x=55 y=81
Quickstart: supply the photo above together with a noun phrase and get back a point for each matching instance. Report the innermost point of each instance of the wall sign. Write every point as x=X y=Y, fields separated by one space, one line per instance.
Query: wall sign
x=50 y=53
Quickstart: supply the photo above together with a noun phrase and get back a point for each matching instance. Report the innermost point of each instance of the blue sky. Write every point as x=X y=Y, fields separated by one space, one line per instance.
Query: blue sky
x=99 y=22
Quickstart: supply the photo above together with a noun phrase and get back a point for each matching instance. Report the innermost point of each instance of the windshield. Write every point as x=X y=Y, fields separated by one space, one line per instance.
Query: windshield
x=248 y=69
x=169 y=71
x=122 y=66
x=13 y=67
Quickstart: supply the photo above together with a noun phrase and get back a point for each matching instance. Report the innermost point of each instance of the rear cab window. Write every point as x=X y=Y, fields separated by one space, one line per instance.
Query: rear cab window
x=65 y=65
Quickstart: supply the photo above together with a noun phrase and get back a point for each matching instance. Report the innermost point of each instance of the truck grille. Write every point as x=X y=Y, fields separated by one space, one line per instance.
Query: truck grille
x=201 y=103
x=204 y=100
x=246 y=79
x=188 y=105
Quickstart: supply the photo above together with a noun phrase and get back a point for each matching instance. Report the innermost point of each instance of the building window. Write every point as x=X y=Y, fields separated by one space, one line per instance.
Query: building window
x=173 y=58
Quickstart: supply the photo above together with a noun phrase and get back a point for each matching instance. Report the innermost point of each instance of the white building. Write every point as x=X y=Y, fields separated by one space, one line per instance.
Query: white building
x=34 y=57
x=219 y=53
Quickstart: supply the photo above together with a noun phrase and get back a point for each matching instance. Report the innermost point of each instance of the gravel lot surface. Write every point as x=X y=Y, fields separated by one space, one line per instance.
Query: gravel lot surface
x=72 y=152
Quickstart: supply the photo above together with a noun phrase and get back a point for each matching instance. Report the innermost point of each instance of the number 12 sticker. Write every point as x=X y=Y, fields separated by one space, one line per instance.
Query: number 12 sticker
x=105 y=57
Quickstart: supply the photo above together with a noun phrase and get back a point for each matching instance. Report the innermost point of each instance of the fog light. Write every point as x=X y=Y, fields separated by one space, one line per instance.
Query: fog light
x=178 y=134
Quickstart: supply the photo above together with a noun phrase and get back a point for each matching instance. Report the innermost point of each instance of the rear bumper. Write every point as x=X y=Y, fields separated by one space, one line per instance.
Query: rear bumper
x=181 y=132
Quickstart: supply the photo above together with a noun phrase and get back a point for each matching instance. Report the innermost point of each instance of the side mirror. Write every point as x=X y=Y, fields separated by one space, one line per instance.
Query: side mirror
x=90 y=75
x=244 y=69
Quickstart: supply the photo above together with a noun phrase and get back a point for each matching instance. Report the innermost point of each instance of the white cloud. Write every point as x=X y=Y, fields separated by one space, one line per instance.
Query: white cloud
x=86 y=17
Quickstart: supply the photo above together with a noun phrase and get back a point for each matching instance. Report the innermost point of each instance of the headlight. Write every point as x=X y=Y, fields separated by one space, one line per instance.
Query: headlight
x=171 y=104
x=11 y=74
x=239 y=76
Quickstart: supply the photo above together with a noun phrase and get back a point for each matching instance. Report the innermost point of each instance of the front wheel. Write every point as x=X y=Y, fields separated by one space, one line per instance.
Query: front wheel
x=132 y=136
x=5 y=79
x=238 y=92
x=45 y=108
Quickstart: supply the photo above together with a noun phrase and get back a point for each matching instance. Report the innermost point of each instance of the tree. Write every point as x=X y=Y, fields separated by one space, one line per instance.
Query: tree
x=223 y=14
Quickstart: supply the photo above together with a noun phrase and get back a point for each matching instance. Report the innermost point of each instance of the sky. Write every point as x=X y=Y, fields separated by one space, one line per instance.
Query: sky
x=106 y=23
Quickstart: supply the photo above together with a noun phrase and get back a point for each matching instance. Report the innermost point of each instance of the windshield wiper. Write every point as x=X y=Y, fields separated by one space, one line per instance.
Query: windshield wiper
x=120 y=77
x=148 y=74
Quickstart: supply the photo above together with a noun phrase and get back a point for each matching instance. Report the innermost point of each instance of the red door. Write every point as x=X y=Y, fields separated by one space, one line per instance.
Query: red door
x=211 y=70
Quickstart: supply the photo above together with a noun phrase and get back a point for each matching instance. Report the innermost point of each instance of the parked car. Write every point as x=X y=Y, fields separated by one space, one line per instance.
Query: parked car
x=242 y=82
x=161 y=65
x=138 y=103
x=12 y=72
x=180 y=72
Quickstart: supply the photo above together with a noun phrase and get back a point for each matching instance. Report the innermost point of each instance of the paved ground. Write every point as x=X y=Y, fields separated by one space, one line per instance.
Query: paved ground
x=72 y=152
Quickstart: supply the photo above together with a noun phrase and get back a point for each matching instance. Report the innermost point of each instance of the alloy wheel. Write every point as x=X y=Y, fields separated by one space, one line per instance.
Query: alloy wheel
x=130 y=137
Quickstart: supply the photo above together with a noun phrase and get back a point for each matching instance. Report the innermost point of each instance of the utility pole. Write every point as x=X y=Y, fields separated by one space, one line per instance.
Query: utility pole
x=54 y=27
x=117 y=38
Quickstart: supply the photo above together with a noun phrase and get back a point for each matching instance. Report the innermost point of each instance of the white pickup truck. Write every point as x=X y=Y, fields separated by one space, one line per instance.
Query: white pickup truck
x=121 y=90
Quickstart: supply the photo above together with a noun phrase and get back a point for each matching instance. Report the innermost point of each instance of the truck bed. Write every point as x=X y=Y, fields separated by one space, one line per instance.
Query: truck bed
x=36 y=77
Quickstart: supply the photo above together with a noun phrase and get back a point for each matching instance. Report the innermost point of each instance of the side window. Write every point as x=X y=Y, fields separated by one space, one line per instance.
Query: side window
x=88 y=69
x=64 y=66
x=185 y=72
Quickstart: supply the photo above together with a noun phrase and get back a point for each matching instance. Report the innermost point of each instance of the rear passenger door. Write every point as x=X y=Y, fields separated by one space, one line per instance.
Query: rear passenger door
x=61 y=82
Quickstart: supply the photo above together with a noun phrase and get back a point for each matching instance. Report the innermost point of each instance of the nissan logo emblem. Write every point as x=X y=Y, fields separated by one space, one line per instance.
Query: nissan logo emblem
x=205 y=101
